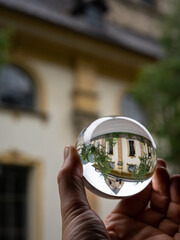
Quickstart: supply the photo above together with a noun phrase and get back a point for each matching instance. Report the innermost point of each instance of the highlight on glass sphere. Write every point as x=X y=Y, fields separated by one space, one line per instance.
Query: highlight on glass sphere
x=118 y=155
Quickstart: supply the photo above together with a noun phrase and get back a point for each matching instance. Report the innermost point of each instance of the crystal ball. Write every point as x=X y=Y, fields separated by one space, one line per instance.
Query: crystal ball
x=118 y=155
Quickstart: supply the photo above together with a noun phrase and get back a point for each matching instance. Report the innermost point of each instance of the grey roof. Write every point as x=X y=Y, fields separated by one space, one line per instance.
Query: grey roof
x=107 y=32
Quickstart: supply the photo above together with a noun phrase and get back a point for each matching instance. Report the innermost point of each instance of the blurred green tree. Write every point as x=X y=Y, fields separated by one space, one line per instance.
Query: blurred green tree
x=5 y=36
x=158 y=90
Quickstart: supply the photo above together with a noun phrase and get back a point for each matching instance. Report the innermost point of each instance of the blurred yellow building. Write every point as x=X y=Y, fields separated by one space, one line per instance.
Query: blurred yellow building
x=71 y=62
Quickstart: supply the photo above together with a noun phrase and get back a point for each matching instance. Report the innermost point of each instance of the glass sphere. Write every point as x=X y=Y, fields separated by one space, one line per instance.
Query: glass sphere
x=118 y=155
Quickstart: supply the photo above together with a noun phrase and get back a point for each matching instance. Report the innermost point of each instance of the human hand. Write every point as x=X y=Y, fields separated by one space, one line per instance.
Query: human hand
x=152 y=214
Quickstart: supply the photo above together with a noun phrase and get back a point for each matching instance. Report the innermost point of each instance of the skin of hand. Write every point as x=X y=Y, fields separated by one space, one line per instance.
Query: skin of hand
x=153 y=214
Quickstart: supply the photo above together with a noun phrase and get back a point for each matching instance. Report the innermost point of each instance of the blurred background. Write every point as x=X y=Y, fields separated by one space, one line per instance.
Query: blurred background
x=62 y=65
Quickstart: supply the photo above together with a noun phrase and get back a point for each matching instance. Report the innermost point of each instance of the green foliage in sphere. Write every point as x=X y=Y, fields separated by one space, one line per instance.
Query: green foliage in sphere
x=140 y=172
x=100 y=157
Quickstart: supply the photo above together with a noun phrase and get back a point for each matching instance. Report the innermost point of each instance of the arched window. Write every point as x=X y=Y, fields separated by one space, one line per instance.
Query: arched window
x=17 y=89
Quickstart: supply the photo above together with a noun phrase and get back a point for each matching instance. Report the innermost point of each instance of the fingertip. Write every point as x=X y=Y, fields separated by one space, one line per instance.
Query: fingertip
x=175 y=181
x=161 y=163
x=71 y=165
x=161 y=180
x=70 y=150
x=175 y=177
x=161 y=172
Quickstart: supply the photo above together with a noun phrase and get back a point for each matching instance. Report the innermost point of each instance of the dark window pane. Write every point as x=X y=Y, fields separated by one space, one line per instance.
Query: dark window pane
x=16 y=88
x=92 y=10
x=150 y=2
x=112 y=164
x=110 y=148
x=131 y=148
x=13 y=203
x=93 y=14
x=149 y=152
x=131 y=167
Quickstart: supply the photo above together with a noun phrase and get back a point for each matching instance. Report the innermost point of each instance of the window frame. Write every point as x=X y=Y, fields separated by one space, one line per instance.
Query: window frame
x=40 y=101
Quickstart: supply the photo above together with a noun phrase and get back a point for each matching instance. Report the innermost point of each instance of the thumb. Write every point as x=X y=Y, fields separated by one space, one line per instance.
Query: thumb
x=71 y=186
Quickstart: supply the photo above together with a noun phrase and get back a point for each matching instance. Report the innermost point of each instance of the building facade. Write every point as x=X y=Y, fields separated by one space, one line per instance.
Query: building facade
x=125 y=152
x=70 y=62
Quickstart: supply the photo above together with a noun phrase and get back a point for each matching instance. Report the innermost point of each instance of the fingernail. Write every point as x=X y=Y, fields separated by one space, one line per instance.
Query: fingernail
x=66 y=152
